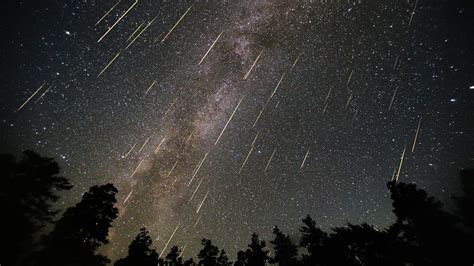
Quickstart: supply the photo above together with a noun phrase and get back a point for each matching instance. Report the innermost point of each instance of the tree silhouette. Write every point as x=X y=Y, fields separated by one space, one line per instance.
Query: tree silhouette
x=28 y=188
x=241 y=259
x=208 y=254
x=313 y=239
x=173 y=258
x=285 y=250
x=81 y=230
x=465 y=203
x=255 y=255
x=430 y=234
x=140 y=252
x=223 y=260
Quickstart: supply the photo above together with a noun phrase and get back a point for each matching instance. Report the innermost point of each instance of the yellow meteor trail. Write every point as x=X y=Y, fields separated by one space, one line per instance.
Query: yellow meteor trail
x=304 y=160
x=202 y=59
x=169 y=240
x=349 y=79
x=129 y=194
x=259 y=114
x=41 y=96
x=149 y=88
x=143 y=146
x=270 y=160
x=296 y=61
x=230 y=118
x=138 y=35
x=197 y=169
x=253 y=65
x=416 y=135
x=128 y=153
x=202 y=202
x=118 y=20
x=136 y=169
x=107 y=66
x=159 y=145
x=401 y=163
x=276 y=87
x=393 y=98
x=255 y=139
x=172 y=168
x=348 y=100
x=246 y=158
x=197 y=221
x=169 y=32
x=194 y=193
x=169 y=108
x=190 y=135
x=110 y=10
x=182 y=250
x=135 y=31
x=33 y=95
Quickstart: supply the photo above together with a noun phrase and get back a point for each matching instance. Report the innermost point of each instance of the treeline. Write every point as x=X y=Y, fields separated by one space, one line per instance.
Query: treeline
x=423 y=233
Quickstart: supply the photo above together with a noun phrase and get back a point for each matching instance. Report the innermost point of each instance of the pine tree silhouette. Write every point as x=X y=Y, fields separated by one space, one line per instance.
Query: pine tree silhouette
x=28 y=189
x=313 y=239
x=285 y=250
x=465 y=202
x=81 y=230
x=173 y=258
x=208 y=254
x=241 y=259
x=256 y=255
x=140 y=252
x=223 y=260
x=430 y=234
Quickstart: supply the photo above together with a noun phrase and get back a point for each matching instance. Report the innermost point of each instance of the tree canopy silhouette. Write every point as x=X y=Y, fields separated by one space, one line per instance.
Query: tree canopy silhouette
x=140 y=252
x=285 y=250
x=81 y=230
x=28 y=188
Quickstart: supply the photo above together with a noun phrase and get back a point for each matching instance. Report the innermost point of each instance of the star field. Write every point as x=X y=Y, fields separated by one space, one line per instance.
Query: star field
x=221 y=118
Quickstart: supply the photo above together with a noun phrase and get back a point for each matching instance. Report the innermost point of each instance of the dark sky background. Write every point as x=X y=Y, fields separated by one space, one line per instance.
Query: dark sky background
x=328 y=135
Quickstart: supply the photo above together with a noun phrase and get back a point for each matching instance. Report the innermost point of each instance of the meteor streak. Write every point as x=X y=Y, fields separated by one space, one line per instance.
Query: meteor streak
x=202 y=202
x=210 y=47
x=416 y=135
x=107 y=66
x=110 y=10
x=197 y=169
x=259 y=114
x=190 y=135
x=393 y=98
x=135 y=31
x=159 y=145
x=169 y=32
x=395 y=64
x=304 y=160
x=41 y=96
x=118 y=20
x=138 y=35
x=149 y=88
x=169 y=240
x=169 y=108
x=136 y=169
x=276 y=87
x=33 y=95
x=246 y=158
x=230 y=118
x=128 y=153
x=194 y=193
x=172 y=168
x=296 y=61
x=329 y=93
x=401 y=163
x=348 y=100
x=255 y=139
x=143 y=146
x=270 y=160
x=413 y=13
x=197 y=221
x=349 y=79
x=129 y=194
x=253 y=65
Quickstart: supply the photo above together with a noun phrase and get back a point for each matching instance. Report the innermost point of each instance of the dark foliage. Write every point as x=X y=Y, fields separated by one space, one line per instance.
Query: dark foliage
x=28 y=188
x=140 y=252
x=285 y=250
x=81 y=230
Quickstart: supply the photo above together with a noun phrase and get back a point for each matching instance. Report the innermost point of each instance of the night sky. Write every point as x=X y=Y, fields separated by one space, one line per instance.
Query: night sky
x=221 y=118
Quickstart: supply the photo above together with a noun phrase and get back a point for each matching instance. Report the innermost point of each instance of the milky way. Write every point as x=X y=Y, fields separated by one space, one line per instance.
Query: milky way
x=222 y=118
